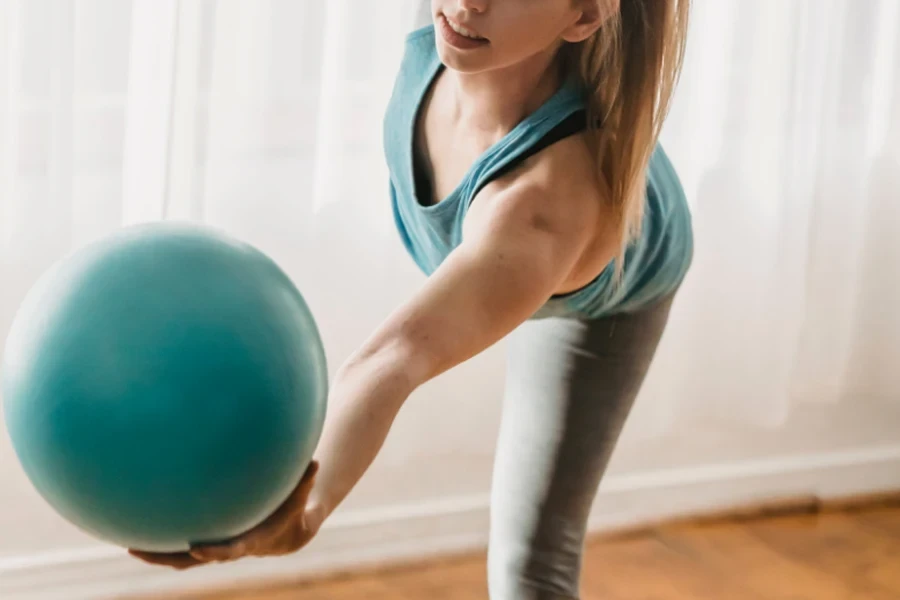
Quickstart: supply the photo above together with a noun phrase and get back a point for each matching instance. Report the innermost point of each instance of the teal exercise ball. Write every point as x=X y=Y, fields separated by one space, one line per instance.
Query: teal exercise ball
x=164 y=386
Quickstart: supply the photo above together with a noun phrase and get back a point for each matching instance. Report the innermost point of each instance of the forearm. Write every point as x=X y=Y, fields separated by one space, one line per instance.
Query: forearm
x=365 y=397
x=488 y=286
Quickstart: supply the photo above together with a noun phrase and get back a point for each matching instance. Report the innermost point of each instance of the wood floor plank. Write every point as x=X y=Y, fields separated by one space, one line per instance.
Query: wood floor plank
x=843 y=555
x=838 y=544
x=346 y=588
x=448 y=581
x=886 y=520
x=648 y=569
x=734 y=550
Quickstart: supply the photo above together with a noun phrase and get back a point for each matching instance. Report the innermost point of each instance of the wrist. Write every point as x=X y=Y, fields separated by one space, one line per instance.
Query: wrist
x=315 y=513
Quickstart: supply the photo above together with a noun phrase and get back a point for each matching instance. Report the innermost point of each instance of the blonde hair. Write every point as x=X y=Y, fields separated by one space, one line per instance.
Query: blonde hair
x=629 y=69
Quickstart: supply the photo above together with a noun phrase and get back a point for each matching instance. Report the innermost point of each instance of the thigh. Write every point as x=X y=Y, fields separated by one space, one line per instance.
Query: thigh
x=570 y=387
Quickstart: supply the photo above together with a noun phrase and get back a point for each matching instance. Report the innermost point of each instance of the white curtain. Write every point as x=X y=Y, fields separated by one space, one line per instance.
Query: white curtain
x=264 y=117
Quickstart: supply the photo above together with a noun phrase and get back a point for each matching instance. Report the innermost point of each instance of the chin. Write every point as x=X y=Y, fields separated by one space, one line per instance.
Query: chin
x=462 y=61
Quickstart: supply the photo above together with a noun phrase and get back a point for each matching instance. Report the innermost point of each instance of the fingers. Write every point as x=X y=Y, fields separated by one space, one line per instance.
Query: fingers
x=311 y=471
x=175 y=560
x=301 y=494
x=272 y=536
x=281 y=533
x=220 y=552
x=263 y=540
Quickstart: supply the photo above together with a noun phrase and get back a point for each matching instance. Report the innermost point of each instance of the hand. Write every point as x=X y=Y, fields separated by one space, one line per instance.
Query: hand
x=287 y=530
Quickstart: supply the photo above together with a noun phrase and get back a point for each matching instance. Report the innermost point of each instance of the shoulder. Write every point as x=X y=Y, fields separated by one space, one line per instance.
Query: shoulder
x=558 y=190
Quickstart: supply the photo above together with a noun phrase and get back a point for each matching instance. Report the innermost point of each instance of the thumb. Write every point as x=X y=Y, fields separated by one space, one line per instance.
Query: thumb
x=301 y=495
x=270 y=529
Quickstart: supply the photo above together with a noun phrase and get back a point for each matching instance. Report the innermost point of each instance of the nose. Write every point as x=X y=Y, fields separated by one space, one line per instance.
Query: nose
x=475 y=6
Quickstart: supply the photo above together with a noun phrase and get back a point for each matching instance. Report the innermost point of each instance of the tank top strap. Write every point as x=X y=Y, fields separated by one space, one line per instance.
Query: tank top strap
x=530 y=132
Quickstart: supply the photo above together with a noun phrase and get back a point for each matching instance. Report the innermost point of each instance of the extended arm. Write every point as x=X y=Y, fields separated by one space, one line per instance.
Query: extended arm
x=516 y=254
x=510 y=264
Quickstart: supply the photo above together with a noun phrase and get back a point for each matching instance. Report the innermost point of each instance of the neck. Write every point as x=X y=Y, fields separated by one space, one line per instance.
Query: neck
x=496 y=101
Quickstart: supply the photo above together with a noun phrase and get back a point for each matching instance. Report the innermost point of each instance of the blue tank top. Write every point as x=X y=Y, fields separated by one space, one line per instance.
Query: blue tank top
x=655 y=263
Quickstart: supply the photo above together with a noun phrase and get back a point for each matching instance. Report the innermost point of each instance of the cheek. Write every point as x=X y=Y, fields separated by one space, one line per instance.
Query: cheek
x=525 y=36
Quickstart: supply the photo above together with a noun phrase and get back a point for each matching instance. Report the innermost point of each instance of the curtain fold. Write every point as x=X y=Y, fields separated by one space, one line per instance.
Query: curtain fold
x=264 y=118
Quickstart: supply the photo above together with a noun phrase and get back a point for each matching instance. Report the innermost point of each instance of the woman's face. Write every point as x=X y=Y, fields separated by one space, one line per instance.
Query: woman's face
x=482 y=35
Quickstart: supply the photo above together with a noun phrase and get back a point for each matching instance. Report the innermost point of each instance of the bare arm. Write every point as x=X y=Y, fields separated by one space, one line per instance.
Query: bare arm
x=510 y=264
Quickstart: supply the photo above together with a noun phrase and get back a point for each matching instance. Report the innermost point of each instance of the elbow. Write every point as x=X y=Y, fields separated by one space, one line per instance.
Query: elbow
x=394 y=366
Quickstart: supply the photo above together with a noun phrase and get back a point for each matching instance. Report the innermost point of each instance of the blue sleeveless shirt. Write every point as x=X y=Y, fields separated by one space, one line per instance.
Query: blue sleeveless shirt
x=655 y=263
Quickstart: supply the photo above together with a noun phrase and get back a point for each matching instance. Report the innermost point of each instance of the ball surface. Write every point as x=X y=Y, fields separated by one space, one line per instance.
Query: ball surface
x=164 y=386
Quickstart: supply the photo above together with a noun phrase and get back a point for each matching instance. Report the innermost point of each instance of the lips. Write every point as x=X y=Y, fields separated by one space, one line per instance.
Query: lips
x=458 y=28
x=459 y=36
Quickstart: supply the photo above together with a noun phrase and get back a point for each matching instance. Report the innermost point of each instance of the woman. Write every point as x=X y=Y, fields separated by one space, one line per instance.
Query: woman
x=527 y=183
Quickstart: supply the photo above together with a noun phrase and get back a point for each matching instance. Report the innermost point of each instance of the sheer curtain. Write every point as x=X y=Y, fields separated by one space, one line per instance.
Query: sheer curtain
x=263 y=117
x=786 y=130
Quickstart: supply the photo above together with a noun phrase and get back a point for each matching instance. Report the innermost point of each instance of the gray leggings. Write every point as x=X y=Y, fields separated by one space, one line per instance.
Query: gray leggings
x=570 y=387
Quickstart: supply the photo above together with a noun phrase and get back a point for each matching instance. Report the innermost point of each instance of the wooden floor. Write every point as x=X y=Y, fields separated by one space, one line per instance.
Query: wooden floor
x=847 y=554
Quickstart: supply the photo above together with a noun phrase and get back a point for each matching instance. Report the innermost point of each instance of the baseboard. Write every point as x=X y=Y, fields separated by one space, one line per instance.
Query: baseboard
x=400 y=533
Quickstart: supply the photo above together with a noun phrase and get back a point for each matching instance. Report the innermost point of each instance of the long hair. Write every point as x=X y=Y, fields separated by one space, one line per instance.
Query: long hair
x=629 y=69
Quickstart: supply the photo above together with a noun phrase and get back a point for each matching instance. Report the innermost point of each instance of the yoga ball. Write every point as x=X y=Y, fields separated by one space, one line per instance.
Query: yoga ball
x=163 y=386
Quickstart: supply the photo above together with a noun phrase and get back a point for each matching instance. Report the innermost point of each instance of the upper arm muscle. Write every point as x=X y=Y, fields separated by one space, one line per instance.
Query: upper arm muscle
x=511 y=262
